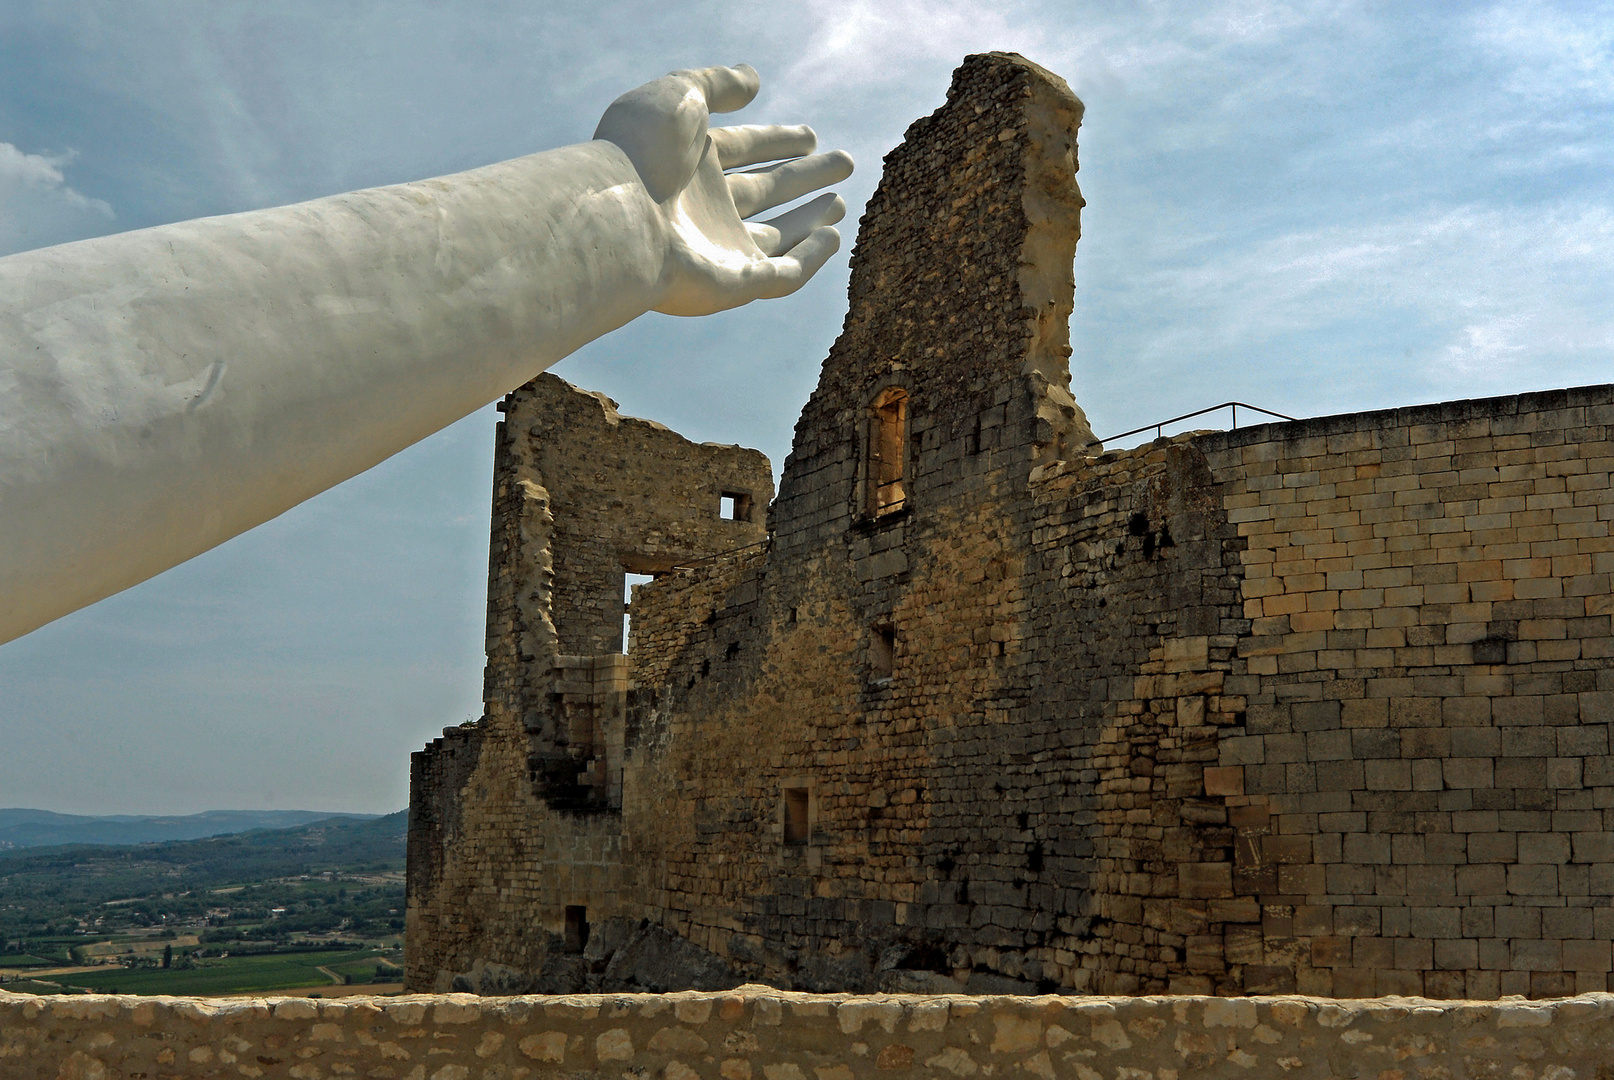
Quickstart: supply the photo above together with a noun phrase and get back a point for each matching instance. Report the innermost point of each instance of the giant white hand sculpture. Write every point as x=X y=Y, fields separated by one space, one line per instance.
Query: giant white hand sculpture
x=164 y=390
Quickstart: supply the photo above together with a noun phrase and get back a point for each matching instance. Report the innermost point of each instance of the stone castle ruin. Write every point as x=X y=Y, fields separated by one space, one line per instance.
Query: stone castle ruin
x=1317 y=707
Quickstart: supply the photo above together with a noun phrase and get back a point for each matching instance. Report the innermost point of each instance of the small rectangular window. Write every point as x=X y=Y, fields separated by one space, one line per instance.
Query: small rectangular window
x=734 y=506
x=576 y=928
x=882 y=651
x=798 y=822
x=886 y=464
x=629 y=582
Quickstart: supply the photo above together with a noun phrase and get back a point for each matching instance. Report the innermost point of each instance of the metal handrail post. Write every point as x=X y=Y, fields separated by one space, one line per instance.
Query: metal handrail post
x=1160 y=428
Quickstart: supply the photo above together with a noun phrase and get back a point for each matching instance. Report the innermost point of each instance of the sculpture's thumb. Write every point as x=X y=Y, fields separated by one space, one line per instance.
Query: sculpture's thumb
x=661 y=126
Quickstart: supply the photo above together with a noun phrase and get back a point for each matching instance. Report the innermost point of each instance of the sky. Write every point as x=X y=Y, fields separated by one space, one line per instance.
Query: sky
x=1312 y=207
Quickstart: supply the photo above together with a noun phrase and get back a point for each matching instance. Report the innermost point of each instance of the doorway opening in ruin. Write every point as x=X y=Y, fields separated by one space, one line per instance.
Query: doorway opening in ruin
x=887 y=451
x=576 y=939
x=629 y=582
x=798 y=820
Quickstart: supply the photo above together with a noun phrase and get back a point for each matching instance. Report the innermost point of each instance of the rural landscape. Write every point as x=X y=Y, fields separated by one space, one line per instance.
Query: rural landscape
x=315 y=908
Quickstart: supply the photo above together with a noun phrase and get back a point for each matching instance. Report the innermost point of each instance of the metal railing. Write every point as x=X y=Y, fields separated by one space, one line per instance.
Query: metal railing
x=1160 y=427
x=706 y=560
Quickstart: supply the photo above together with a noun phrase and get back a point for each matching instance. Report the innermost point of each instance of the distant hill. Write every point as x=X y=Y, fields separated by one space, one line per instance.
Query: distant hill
x=69 y=886
x=21 y=828
x=343 y=844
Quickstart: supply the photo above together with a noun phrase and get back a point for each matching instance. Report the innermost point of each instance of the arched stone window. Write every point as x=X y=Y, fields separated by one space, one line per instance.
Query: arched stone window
x=887 y=483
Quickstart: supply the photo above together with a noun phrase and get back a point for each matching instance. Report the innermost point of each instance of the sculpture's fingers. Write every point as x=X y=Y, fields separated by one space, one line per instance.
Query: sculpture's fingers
x=725 y=88
x=756 y=191
x=779 y=235
x=750 y=144
x=803 y=261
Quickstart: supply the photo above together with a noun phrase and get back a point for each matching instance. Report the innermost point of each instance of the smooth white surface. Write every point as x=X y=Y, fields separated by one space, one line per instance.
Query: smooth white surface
x=164 y=390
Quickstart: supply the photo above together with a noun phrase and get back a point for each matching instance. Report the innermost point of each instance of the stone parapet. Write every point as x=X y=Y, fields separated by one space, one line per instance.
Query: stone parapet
x=761 y=1034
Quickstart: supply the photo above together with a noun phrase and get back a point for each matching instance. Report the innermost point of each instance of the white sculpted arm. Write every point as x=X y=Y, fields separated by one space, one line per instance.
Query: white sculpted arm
x=164 y=390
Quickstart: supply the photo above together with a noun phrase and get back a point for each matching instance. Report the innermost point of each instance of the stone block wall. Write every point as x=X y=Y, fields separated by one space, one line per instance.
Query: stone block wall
x=761 y=1034
x=1420 y=788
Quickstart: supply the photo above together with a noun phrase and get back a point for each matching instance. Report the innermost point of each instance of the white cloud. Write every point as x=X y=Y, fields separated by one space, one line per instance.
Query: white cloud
x=1554 y=52
x=37 y=205
x=1260 y=20
x=1497 y=294
x=855 y=43
x=1496 y=342
x=35 y=170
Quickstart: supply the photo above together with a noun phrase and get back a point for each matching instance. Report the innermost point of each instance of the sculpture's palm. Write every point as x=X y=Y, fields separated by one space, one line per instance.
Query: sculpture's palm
x=716 y=259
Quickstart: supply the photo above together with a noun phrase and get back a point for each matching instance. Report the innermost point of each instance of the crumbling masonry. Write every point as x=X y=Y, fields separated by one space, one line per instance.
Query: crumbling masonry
x=1318 y=707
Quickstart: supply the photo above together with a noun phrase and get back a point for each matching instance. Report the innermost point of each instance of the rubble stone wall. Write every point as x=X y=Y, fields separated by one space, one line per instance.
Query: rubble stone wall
x=755 y=1034
x=515 y=815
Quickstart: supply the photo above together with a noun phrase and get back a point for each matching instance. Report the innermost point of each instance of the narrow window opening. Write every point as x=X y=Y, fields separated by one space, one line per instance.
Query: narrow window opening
x=798 y=823
x=882 y=651
x=888 y=451
x=734 y=506
x=576 y=928
x=629 y=583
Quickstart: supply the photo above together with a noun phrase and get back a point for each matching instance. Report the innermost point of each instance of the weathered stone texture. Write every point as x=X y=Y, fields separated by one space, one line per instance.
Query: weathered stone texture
x=758 y=1034
x=581 y=497
x=1317 y=707
x=961 y=282
x=1420 y=789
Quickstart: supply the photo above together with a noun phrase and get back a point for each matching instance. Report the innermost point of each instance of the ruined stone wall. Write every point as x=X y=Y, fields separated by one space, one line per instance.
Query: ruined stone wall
x=1141 y=745
x=514 y=817
x=960 y=293
x=961 y=283
x=758 y=1034
x=979 y=283
x=582 y=496
x=1317 y=707
x=1208 y=769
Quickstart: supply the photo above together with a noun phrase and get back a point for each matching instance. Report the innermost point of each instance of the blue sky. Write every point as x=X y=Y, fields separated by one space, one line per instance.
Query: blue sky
x=1316 y=207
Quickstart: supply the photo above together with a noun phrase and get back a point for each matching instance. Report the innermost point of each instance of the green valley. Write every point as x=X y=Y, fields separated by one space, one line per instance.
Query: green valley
x=313 y=908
